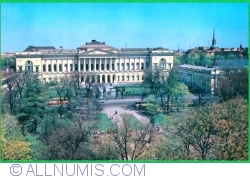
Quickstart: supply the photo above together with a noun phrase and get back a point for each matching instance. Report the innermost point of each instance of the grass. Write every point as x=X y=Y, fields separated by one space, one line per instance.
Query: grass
x=159 y=119
x=133 y=121
x=104 y=123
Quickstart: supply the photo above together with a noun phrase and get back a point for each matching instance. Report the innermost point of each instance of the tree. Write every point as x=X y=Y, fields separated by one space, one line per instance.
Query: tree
x=32 y=105
x=214 y=131
x=131 y=142
x=152 y=108
x=14 y=145
x=234 y=83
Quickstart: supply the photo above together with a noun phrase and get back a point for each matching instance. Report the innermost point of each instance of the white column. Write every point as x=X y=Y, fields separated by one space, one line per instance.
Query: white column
x=110 y=64
x=95 y=65
x=89 y=64
x=57 y=66
x=100 y=78
x=79 y=64
x=139 y=64
x=120 y=64
x=105 y=65
x=84 y=65
x=115 y=64
x=46 y=66
x=62 y=65
x=129 y=64
x=67 y=65
x=100 y=65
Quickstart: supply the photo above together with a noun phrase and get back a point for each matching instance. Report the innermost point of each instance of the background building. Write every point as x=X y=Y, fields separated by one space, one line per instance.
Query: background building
x=206 y=78
x=104 y=63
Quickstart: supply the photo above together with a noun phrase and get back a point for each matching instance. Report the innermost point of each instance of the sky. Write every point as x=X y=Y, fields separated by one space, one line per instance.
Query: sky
x=120 y=25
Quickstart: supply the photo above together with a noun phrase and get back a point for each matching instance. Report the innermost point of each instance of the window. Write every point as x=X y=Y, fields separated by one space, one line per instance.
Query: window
x=142 y=77
x=132 y=66
x=163 y=64
x=113 y=66
x=76 y=67
x=137 y=66
x=118 y=78
x=20 y=69
x=54 y=67
x=122 y=78
x=60 y=67
x=127 y=78
x=44 y=68
x=29 y=66
x=81 y=67
x=92 y=66
x=118 y=66
x=102 y=66
x=71 y=67
x=107 y=66
x=147 y=66
x=97 y=67
x=49 y=67
x=87 y=67
x=138 y=77
x=66 y=67
x=127 y=66
x=133 y=78
x=142 y=66
x=122 y=66
x=37 y=69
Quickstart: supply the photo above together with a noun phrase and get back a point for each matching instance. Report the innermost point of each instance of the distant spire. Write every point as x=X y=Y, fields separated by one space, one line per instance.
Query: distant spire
x=241 y=44
x=214 y=40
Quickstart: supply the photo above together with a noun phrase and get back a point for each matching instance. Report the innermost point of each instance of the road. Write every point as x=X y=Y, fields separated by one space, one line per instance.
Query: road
x=119 y=102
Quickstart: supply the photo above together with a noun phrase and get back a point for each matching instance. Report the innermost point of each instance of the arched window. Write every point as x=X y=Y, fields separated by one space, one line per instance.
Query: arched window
x=132 y=66
x=29 y=66
x=55 y=67
x=122 y=66
x=127 y=66
x=163 y=64
x=49 y=67
x=66 y=67
x=137 y=66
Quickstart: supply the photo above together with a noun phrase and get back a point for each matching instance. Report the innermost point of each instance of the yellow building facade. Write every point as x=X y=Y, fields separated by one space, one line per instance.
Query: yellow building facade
x=104 y=63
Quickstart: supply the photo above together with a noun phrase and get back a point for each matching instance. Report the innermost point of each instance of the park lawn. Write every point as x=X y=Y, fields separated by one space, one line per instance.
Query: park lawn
x=104 y=123
x=133 y=121
x=159 y=119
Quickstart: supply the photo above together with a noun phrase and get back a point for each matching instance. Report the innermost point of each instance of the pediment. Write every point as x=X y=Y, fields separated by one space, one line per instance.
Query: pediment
x=97 y=52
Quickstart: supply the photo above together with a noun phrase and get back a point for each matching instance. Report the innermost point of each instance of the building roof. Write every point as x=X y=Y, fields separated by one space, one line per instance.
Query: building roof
x=94 y=44
x=37 y=48
x=198 y=67
x=231 y=63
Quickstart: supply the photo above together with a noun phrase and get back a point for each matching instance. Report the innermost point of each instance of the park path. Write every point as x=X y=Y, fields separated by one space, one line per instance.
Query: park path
x=120 y=110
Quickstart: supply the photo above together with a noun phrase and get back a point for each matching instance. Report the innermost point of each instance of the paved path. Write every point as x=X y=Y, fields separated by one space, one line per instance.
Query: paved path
x=122 y=110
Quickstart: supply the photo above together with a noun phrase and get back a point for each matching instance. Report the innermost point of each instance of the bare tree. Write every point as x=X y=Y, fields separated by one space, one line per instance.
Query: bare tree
x=129 y=140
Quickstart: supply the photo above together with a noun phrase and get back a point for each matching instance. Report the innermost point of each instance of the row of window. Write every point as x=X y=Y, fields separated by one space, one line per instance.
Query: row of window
x=119 y=78
x=108 y=67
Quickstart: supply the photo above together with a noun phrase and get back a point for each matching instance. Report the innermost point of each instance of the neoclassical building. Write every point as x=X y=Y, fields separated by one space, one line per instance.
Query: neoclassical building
x=104 y=63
